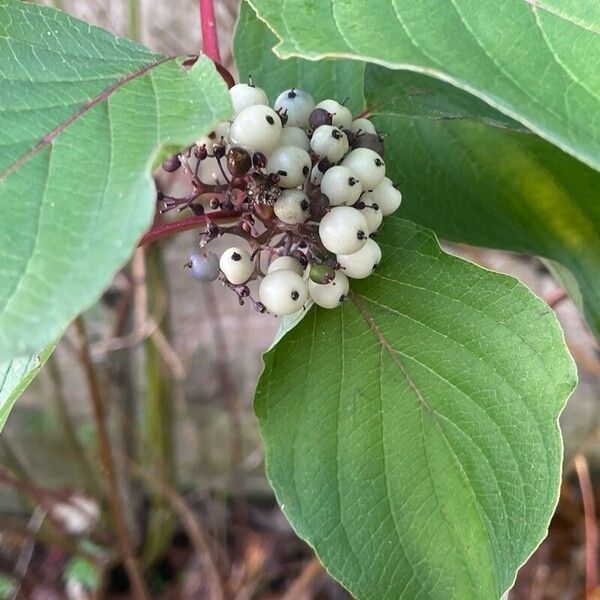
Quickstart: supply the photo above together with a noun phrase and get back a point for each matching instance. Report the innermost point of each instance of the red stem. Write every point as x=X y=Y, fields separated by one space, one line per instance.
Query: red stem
x=164 y=230
x=591 y=527
x=208 y=23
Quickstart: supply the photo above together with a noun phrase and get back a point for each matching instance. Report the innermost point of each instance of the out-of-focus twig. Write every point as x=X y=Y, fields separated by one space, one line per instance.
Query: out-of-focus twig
x=232 y=399
x=131 y=564
x=591 y=527
x=304 y=582
x=68 y=429
x=194 y=529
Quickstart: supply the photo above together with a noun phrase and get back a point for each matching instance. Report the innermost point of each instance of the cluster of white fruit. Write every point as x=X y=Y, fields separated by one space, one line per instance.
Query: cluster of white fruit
x=323 y=174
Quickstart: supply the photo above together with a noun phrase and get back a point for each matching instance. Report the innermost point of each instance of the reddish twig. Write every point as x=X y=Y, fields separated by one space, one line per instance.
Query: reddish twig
x=555 y=297
x=208 y=23
x=591 y=526
x=165 y=230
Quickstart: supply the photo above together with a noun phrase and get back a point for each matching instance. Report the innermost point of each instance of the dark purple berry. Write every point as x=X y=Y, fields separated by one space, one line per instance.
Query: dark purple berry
x=368 y=140
x=259 y=160
x=172 y=164
x=318 y=117
x=239 y=161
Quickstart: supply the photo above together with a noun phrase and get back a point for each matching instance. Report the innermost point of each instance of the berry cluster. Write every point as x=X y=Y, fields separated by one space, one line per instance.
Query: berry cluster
x=303 y=185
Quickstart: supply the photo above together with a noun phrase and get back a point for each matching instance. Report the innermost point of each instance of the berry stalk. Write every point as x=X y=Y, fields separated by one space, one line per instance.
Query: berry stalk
x=165 y=230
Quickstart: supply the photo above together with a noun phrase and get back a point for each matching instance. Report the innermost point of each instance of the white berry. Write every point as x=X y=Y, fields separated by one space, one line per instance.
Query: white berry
x=368 y=165
x=343 y=230
x=236 y=265
x=329 y=142
x=341 y=185
x=210 y=173
x=316 y=175
x=286 y=263
x=362 y=126
x=371 y=211
x=283 y=292
x=244 y=95
x=220 y=132
x=342 y=117
x=387 y=196
x=332 y=294
x=204 y=266
x=297 y=104
x=292 y=164
x=292 y=207
x=294 y=136
x=257 y=129
x=360 y=264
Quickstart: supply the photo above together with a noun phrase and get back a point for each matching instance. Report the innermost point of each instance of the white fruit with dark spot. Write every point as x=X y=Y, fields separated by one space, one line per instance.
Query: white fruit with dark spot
x=362 y=126
x=244 y=95
x=342 y=117
x=218 y=134
x=294 y=136
x=329 y=142
x=210 y=173
x=257 y=129
x=316 y=175
x=286 y=263
x=387 y=196
x=236 y=265
x=368 y=165
x=283 y=292
x=297 y=104
x=332 y=294
x=343 y=230
x=292 y=164
x=361 y=264
x=371 y=212
x=292 y=207
x=341 y=185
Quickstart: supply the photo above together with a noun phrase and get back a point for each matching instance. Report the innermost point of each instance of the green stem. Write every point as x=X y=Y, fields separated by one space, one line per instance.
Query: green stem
x=134 y=20
x=66 y=423
x=158 y=413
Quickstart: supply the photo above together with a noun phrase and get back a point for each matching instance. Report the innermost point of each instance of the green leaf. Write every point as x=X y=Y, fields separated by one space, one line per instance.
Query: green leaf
x=332 y=79
x=82 y=114
x=403 y=93
x=502 y=189
x=535 y=61
x=15 y=376
x=412 y=435
x=469 y=183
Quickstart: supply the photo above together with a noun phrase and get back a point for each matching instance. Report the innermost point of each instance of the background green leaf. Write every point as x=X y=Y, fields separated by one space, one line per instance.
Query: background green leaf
x=466 y=170
x=496 y=188
x=74 y=204
x=332 y=79
x=412 y=435
x=536 y=61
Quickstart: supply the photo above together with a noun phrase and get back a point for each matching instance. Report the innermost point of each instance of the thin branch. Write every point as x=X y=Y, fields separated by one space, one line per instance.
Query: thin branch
x=208 y=23
x=165 y=230
x=108 y=464
x=591 y=527
x=68 y=428
x=191 y=524
x=304 y=583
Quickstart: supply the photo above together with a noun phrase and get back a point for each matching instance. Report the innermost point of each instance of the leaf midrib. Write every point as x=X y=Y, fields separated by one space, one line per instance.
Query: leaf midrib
x=87 y=106
x=393 y=354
